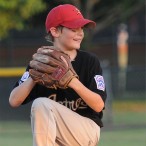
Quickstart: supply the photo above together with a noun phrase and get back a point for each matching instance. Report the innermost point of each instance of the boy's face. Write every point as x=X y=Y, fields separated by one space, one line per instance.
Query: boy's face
x=70 y=38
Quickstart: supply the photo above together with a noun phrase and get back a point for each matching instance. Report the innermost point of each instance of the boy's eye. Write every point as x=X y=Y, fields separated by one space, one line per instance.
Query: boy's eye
x=74 y=30
x=77 y=30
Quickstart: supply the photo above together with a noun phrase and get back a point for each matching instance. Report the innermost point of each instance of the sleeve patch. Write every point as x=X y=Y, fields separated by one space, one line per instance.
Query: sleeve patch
x=99 y=82
x=24 y=77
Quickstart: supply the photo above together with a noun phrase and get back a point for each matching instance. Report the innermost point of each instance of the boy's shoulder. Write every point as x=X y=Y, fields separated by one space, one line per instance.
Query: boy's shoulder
x=88 y=54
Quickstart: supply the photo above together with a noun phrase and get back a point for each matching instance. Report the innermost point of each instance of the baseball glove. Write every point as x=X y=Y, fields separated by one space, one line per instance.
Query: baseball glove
x=51 y=68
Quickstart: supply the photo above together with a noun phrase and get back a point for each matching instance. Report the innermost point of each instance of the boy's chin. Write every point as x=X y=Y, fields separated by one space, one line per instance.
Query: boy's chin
x=74 y=47
x=77 y=47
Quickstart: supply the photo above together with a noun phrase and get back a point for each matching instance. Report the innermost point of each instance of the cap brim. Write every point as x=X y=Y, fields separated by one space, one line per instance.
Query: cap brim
x=79 y=23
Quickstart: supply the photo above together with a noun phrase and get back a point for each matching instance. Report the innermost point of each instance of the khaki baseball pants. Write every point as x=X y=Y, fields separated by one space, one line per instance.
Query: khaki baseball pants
x=55 y=125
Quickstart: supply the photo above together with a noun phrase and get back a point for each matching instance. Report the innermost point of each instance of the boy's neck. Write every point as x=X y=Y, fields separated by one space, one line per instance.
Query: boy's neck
x=71 y=52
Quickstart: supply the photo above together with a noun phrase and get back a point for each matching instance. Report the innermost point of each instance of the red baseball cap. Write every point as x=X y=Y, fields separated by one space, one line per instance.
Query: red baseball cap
x=68 y=16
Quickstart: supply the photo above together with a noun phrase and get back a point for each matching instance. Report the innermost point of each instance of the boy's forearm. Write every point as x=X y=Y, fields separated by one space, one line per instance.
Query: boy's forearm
x=91 y=98
x=20 y=93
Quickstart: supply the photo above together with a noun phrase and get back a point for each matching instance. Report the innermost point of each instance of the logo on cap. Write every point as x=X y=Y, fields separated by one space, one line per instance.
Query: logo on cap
x=78 y=11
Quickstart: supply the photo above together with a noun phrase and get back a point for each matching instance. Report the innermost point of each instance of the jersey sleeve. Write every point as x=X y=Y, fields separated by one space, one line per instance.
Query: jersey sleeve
x=96 y=81
x=24 y=77
x=33 y=93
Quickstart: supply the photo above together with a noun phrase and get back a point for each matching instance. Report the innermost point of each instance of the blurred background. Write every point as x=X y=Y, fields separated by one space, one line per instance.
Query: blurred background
x=119 y=42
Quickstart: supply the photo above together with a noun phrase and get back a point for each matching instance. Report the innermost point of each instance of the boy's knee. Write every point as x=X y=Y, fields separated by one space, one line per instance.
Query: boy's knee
x=39 y=103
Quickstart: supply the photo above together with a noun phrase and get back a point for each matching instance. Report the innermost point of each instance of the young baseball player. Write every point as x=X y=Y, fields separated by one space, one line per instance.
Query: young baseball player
x=70 y=116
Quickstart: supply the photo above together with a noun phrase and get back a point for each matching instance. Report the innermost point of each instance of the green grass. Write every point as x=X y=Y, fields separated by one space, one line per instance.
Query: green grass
x=129 y=118
x=128 y=127
x=129 y=112
x=15 y=134
x=124 y=137
x=19 y=134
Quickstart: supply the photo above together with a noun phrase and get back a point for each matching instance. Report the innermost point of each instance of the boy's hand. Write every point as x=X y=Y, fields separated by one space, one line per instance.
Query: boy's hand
x=51 y=68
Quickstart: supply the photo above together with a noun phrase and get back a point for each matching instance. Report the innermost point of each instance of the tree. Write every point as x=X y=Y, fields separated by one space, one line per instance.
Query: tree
x=14 y=13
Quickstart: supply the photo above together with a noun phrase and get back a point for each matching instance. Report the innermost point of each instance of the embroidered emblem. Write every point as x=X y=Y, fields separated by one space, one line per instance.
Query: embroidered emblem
x=99 y=82
x=77 y=11
x=25 y=76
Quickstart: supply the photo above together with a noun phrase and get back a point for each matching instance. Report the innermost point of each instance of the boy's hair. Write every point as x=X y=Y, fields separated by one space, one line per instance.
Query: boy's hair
x=49 y=36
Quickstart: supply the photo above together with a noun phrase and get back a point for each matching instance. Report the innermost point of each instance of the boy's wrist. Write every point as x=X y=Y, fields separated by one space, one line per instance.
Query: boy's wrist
x=73 y=83
x=31 y=81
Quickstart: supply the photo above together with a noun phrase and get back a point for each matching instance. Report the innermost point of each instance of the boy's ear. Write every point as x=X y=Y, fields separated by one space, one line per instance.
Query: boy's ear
x=54 y=31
